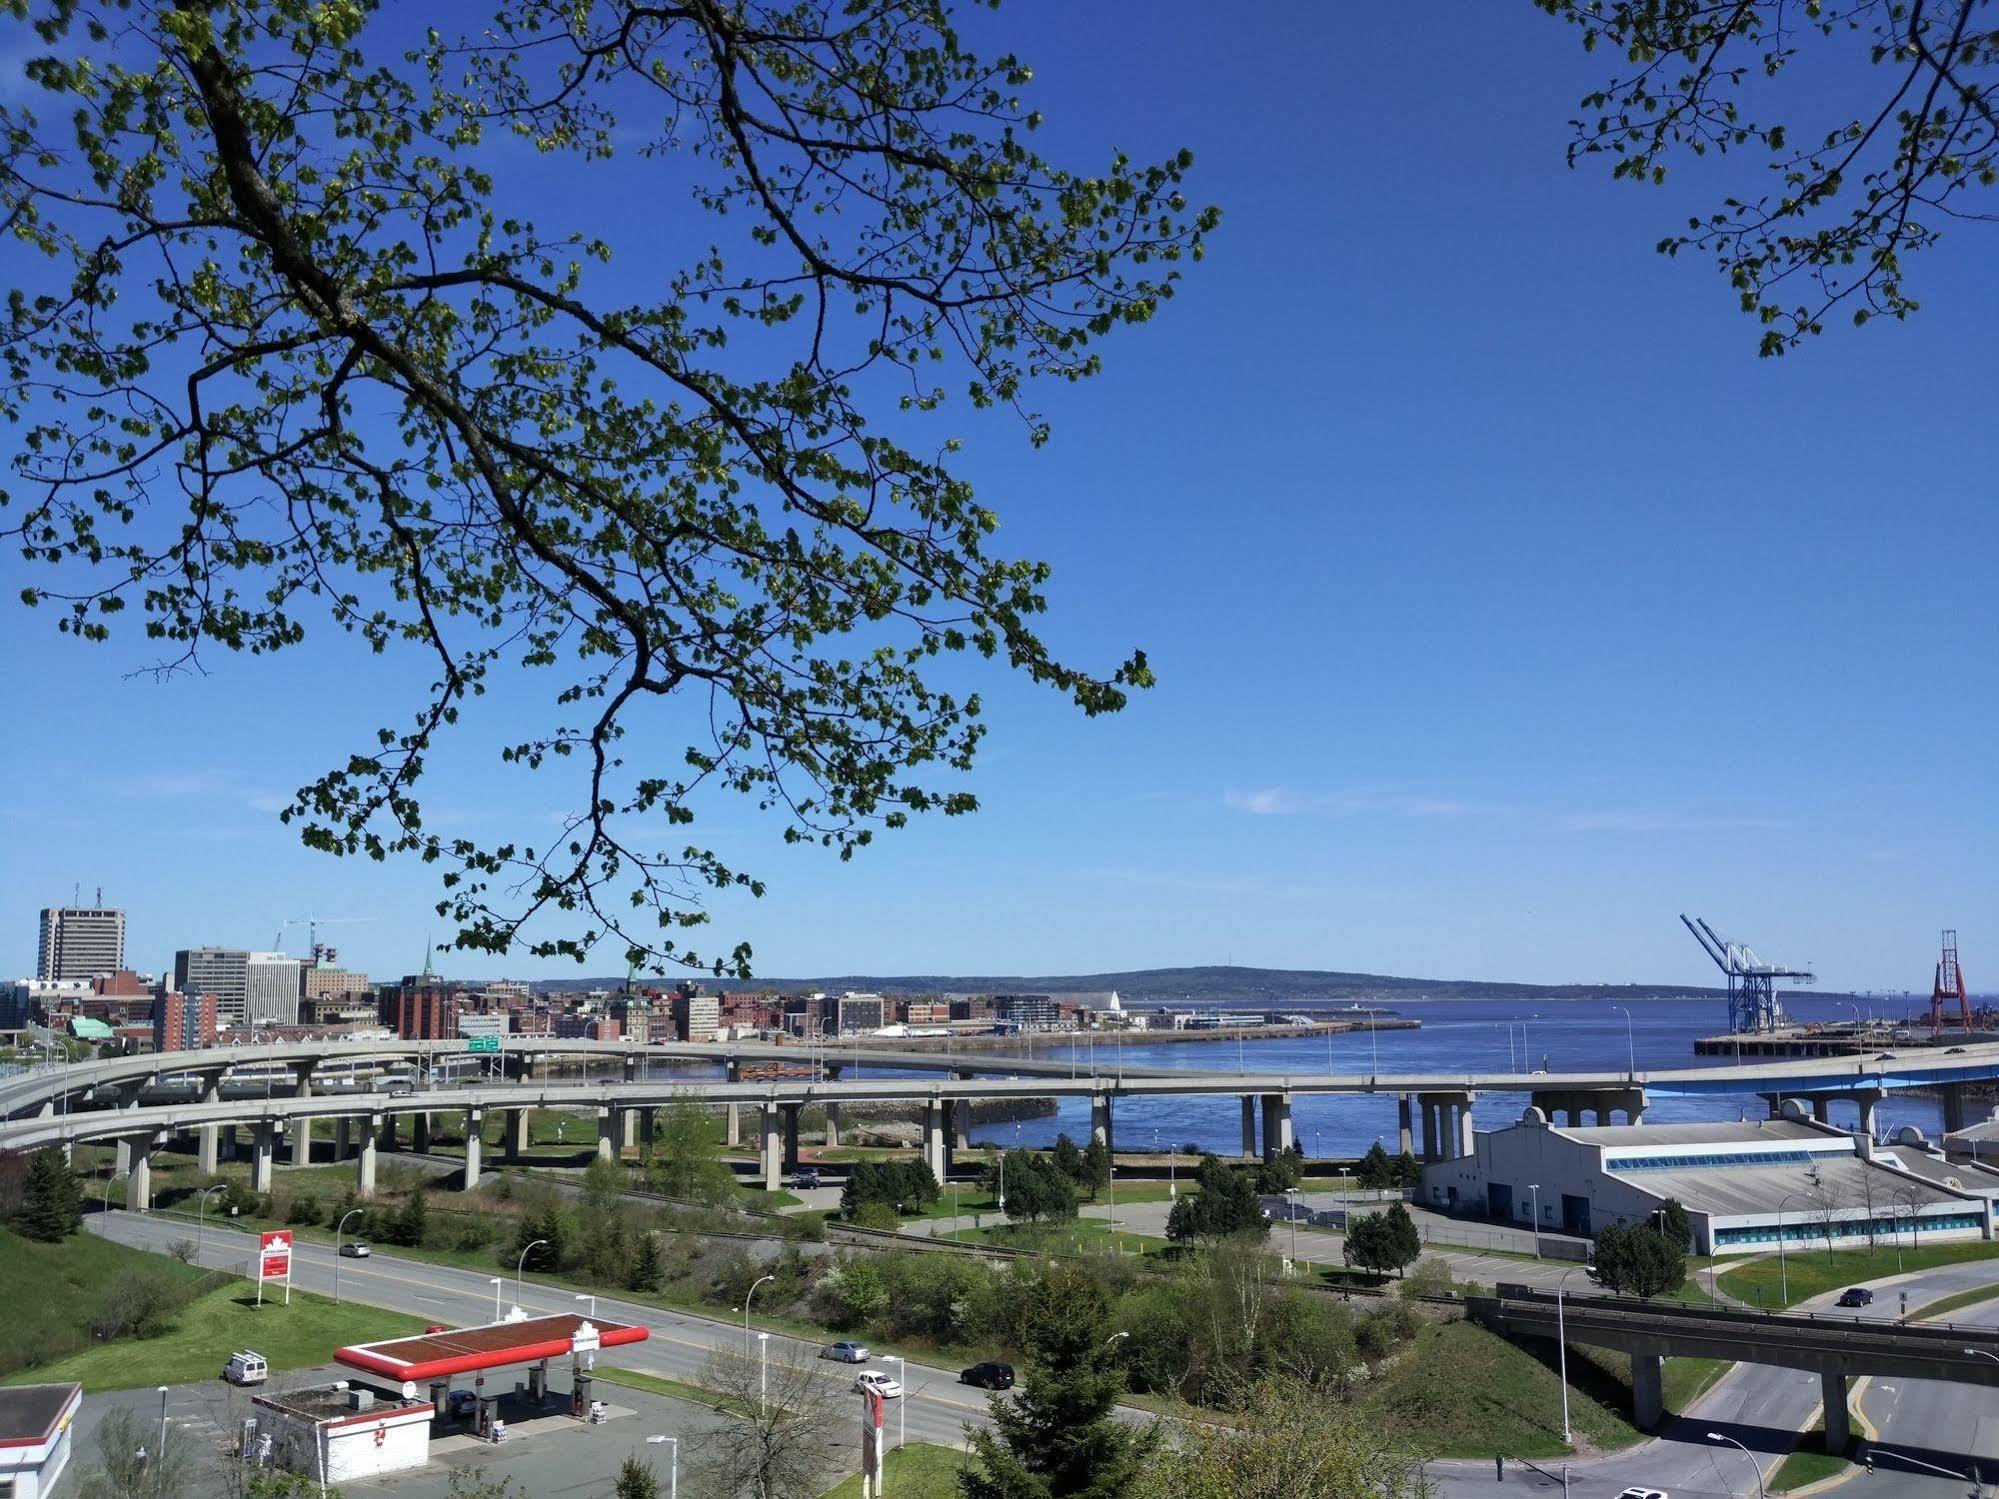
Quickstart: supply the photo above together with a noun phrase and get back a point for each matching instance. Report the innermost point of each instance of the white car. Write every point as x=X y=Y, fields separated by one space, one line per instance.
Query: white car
x=354 y=1250
x=1644 y=1493
x=880 y=1384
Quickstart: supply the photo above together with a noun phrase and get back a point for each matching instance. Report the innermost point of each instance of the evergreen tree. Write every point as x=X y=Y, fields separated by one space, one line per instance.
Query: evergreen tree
x=545 y=1225
x=1408 y=1170
x=51 y=1207
x=636 y=1480
x=647 y=1269
x=1068 y=1159
x=1676 y=1225
x=1059 y=1437
x=1403 y=1241
x=1376 y=1169
x=1224 y=1202
x=1096 y=1168
x=407 y=1227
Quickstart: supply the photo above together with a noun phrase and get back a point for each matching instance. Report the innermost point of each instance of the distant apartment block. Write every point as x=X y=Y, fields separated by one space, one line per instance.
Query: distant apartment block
x=488 y=1023
x=586 y=1028
x=183 y=1022
x=22 y=1000
x=270 y=989
x=696 y=1017
x=325 y=981
x=421 y=1009
x=859 y=1012
x=221 y=971
x=1028 y=1012
x=79 y=942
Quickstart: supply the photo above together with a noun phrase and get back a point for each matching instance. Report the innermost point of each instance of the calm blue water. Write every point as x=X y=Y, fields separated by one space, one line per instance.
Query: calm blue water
x=1457 y=1036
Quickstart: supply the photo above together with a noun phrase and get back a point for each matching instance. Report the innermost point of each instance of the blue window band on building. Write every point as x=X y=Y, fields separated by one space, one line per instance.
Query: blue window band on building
x=1702 y=1162
x=1856 y=1228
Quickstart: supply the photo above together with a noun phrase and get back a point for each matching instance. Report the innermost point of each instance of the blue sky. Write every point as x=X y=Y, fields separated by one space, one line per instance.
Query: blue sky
x=1504 y=604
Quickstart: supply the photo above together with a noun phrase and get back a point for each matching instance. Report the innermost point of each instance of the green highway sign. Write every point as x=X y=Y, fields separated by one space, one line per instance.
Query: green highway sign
x=483 y=1043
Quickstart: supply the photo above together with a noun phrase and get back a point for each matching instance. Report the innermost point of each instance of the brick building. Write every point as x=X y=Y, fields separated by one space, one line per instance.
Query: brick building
x=183 y=1022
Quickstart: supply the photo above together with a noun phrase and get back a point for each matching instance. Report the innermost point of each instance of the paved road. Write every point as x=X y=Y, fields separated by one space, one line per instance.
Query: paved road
x=1919 y=1422
x=935 y=1410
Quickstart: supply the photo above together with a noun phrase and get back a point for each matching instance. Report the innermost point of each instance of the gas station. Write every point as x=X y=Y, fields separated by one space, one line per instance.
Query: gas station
x=437 y=1356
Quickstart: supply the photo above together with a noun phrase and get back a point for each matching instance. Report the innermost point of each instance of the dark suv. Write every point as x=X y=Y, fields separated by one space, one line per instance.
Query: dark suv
x=1856 y=1296
x=988 y=1376
x=805 y=1176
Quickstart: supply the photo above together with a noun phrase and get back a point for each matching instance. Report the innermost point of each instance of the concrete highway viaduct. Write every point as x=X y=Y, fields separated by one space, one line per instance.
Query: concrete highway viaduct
x=139 y=1102
x=1835 y=1348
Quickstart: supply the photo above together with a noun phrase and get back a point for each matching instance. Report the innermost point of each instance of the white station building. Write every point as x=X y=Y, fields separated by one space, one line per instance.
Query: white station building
x=35 y=1422
x=1741 y=1183
x=339 y=1433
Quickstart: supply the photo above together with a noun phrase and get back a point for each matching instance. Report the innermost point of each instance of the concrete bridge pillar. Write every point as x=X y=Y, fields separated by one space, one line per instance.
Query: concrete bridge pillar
x=1429 y=1108
x=732 y=1066
x=1953 y=1108
x=1466 y=1137
x=389 y=1131
x=1277 y=1136
x=607 y=1134
x=302 y=1079
x=773 y=1149
x=343 y=1138
x=961 y=1115
x=632 y=1066
x=1821 y=1108
x=299 y=1130
x=1648 y=1391
x=207 y=1149
x=735 y=1135
x=475 y=1126
x=933 y=1136
x=790 y=1112
x=420 y=1134
x=1100 y=1119
x=1404 y=1133
x=263 y=1139
x=364 y=1157
x=1838 y=1426
x=139 y=1184
x=832 y=1126
x=514 y=1140
x=628 y=1128
x=1249 y=1126
x=1866 y=1103
x=648 y=1128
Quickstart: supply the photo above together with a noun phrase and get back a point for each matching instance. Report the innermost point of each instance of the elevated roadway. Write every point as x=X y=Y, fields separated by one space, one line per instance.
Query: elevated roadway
x=1834 y=1347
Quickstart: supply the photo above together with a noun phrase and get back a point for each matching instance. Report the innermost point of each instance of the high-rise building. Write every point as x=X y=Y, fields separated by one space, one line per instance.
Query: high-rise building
x=695 y=1016
x=221 y=971
x=421 y=1008
x=270 y=989
x=321 y=981
x=183 y=1022
x=80 y=942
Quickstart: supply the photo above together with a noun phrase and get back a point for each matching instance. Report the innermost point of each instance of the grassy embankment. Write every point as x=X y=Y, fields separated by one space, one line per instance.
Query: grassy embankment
x=60 y=1297
x=1814 y=1272
x=918 y=1471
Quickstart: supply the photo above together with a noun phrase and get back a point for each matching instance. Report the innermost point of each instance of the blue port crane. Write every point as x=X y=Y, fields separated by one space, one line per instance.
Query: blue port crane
x=1752 y=994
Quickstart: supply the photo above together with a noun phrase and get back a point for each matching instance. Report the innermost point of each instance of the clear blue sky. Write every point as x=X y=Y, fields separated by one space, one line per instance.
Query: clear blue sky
x=1504 y=604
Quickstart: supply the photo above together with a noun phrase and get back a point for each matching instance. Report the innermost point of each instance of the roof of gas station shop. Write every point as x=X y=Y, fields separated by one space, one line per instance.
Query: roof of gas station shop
x=439 y=1355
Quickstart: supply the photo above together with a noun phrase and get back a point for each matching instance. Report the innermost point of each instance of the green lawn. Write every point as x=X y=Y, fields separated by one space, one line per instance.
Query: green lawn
x=1464 y=1392
x=676 y=1389
x=918 y=1471
x=52 y=1293
x=1808 y=1463
x=1813 y=1272
x=46 y=1286
x=1687 y=1379
x=1943 y=1306
x=1070 y=1236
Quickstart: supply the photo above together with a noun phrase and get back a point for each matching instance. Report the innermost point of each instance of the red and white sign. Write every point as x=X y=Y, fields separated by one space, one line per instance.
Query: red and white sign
x=871 y=1443
x=274 y=1261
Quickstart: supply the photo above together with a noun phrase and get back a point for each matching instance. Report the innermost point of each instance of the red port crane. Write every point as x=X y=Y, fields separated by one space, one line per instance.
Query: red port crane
x=1949 y=988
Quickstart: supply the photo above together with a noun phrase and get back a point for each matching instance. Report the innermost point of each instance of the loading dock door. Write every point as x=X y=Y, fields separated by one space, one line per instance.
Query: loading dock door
x=1575 y=1214
x=1499 y=1199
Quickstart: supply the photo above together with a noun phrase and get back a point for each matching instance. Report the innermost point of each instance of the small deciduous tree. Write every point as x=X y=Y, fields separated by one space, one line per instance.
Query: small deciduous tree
x=783 y=1417
x=686 y=1157
x=1223 y=1202
x=1288 y=1439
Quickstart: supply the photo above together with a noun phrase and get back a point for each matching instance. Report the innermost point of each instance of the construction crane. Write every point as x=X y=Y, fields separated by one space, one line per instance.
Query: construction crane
x=312 y=924
x=1949 y=987
x=1752 y=998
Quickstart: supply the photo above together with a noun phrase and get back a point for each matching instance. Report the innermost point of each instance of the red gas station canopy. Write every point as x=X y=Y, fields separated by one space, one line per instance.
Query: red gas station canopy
x=439 y=1355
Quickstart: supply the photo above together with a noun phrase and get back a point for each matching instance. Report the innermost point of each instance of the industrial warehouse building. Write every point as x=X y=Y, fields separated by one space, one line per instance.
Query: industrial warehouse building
x=1741 y=1183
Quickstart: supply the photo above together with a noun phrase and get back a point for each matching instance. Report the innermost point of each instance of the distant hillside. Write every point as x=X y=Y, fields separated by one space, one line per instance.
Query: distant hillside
x=1201 y=986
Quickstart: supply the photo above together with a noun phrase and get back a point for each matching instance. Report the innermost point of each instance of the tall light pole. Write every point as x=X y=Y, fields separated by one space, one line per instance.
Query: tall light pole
x=521 y=1265
x=673 y=1471
x=107 y=1187
x=1291 y=1212
x=201 y=1211
x=340 y=1229
x=1562 y=1343
x=591 y=1297
x=1715 y=1436
x=902 y=1405
x=163 y=1429
x=1982 y=1353
x=763 y=1372
x=746 y=1308
x=1783 y=1269
x=1630 y=1045
x=1534 y=1188
x=498 y=1281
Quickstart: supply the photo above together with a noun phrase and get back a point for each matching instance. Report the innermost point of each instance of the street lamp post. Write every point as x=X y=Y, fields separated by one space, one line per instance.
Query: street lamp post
x=673 y=1470
x=201 y=1212
x=163 y=1427
x=521 y=1265
x=1630 y=1045
x=902 y=1405
x=591 y=1297
x=1982 y=1353
x=763 y=1372
x=1562 y=1344
x=1715 y=1436
x=107 y=1187
x=1783 y=1269
x=1534 y=1188
x=498 y=1281
x=340 y=1229
x=1291 y=1212
x=746 y=1308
